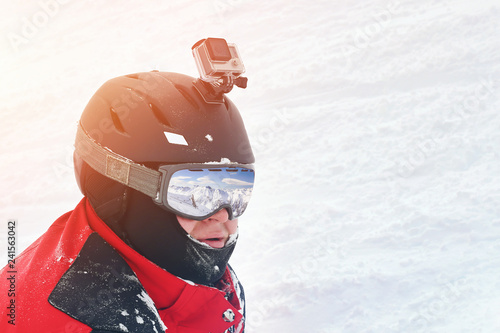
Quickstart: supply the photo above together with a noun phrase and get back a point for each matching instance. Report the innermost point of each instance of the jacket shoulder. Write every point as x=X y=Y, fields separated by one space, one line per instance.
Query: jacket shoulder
x=101 y=291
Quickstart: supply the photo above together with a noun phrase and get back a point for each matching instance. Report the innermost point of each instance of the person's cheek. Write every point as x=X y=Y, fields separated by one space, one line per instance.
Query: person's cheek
x=186 y=224
x=232 y=226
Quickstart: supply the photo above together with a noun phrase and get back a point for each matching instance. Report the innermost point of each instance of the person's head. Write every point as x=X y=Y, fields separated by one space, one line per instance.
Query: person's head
x=167 y=171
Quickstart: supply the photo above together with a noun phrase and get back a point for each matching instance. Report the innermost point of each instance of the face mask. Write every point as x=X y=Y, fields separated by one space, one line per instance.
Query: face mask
x=157 y=235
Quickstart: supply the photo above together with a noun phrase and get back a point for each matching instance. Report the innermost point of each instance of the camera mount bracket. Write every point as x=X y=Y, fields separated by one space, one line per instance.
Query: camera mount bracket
x=220 y=67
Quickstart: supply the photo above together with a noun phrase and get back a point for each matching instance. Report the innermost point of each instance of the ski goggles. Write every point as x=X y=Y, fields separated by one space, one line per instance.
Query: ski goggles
x=193 y=190
x=197 y=191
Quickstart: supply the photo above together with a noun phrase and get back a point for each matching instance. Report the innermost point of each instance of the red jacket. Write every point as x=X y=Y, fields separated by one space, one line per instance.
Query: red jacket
x=80 y=277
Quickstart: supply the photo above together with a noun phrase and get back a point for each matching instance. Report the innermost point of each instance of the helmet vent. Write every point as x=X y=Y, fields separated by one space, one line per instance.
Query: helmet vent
x=133 y=76
x=187 y=96
x=116 y=120
x=159 y=115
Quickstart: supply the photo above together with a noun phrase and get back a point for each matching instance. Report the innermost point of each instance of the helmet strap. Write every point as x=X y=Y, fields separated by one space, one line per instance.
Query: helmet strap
x=107 y=197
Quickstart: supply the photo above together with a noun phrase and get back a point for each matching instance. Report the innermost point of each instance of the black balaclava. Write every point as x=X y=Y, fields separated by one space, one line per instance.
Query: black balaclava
x=157 y=235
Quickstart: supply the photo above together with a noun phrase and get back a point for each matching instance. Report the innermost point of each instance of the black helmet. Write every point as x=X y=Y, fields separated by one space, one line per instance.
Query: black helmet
x=155 y=118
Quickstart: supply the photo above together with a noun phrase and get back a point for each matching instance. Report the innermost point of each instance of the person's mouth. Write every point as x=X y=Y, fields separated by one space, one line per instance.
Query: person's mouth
x=215 y=242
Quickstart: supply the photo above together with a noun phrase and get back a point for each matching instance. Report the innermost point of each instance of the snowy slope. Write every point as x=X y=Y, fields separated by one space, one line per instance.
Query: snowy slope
x=376 y=131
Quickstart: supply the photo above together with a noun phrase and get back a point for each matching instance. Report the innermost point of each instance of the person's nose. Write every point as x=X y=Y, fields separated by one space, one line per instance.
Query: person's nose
x=219 y=217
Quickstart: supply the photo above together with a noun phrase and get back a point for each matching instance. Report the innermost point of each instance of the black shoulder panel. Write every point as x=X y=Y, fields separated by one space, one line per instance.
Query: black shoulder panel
x=101 y=291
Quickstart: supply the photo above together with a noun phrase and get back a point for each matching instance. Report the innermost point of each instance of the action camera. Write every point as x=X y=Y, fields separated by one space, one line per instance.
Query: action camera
x=216 y=59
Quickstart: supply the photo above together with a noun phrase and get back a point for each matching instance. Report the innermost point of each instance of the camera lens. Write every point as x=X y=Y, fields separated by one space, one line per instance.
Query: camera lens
x=218 y=49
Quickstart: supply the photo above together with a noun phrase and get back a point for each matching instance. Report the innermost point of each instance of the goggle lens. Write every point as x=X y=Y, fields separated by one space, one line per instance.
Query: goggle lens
x=200 y=192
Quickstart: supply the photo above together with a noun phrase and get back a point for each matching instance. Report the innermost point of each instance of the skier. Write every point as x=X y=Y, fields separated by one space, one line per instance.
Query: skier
x=131 y=257
x=193 y=201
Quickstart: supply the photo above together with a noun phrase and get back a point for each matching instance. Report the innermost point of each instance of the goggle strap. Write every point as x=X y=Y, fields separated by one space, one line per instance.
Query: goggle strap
x=117 y=167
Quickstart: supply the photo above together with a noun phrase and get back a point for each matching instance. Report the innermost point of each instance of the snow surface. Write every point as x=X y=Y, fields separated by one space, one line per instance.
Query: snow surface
x=376 y=132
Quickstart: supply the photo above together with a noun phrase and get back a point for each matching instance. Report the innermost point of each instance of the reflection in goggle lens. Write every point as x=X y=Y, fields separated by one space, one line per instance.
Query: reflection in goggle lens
x=200 y=192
